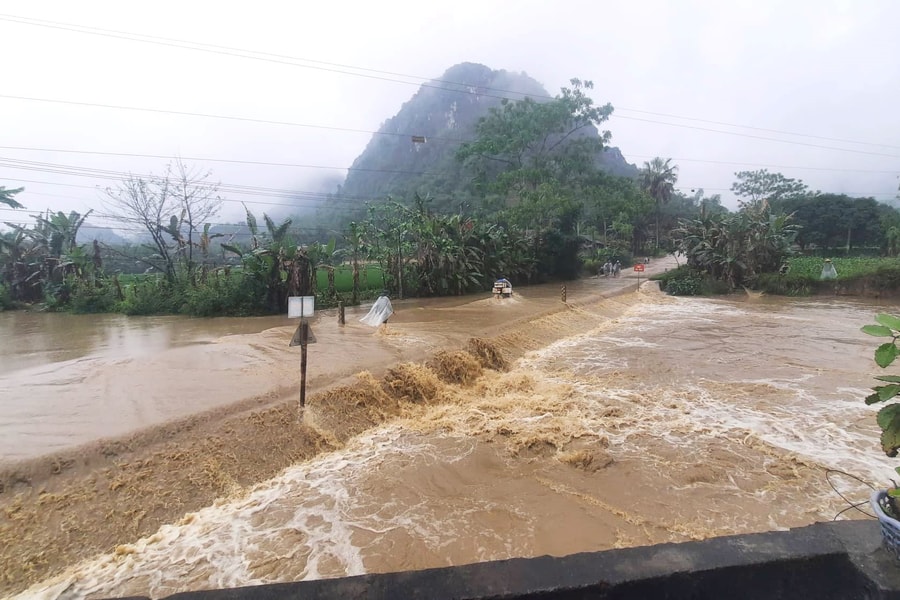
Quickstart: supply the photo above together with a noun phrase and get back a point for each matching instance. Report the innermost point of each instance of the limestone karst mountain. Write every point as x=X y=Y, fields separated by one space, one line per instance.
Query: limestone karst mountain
x=414 y=151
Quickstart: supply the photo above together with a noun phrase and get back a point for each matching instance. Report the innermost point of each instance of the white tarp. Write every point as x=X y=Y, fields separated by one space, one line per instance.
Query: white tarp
x=380 y=312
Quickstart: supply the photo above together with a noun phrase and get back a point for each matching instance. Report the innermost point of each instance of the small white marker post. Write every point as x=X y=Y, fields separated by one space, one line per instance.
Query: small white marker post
x=302 y=307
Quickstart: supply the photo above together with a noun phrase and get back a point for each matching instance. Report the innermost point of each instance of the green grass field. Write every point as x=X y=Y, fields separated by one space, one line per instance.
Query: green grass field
x=804 y=276
x=369 y=279
x=847 y=268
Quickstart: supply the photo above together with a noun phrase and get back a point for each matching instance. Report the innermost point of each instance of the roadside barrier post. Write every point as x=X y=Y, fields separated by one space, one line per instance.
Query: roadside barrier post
x=563 y=293
x=302 y=307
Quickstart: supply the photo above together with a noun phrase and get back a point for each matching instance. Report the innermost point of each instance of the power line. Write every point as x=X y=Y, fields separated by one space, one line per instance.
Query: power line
x=806 y=135
x=402 y=172
x=119 y=175
x=209 y=48
x=320 y=199
x=95 y=215
x=211 y=116
x=756 y=137
x=292 y=61
x=219 y=160
x=744 y=164
x=240 y=229
x=451 y=140
x=258 y=190
x=122 y=177
x=253 y=202
x=711 y=189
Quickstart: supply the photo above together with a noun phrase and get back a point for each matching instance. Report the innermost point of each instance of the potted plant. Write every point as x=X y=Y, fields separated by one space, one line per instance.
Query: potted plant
x=885 y=502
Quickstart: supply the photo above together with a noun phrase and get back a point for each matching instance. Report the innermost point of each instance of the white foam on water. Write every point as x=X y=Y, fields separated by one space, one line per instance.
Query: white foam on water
x=318 y=520
x=309 y=502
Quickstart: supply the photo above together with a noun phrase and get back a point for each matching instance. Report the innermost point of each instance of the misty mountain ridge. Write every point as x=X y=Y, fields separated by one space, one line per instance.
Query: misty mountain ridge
x=444 y=113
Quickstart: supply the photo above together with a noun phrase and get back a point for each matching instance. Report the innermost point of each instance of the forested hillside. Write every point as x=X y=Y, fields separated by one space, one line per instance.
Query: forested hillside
x=445 y=113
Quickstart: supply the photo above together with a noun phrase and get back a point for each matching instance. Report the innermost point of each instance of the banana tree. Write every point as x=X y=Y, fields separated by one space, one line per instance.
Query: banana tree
x=20 y=264
x=355 y=238
x=322 y=256
x=736 y=248
x=276 y=261
x=6 y=197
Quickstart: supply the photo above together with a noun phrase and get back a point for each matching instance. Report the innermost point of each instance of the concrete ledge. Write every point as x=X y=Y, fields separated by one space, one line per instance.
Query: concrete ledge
x=823 y=561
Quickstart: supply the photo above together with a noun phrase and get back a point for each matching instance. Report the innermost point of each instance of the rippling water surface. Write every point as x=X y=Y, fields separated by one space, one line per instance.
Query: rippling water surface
x=678 y=419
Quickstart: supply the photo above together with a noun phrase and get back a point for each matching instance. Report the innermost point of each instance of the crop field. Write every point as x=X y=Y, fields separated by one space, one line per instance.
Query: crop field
x=847 y=268
x=370 y=278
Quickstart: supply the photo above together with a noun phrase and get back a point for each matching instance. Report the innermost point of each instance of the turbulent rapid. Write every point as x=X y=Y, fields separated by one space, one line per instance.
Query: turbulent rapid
x=665 y=419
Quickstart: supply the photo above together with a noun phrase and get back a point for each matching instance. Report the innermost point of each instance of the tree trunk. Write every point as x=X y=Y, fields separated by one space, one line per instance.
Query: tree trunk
x=355 y=297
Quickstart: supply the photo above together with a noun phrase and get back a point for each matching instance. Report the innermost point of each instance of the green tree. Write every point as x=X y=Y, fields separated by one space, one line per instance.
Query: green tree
x=386 y=235
x=537 y=159
x=525 y=145
x=59 y=231
x=835 y=220
x=617 y=208
x=275 y=262
x=736 y=248
x=425 y=253
x=20 y=264
x=658 y=178
x=755 y=186
x=708 y=205
x=6 y=197
x=356 y=242
x=892 y=241
x=889 y=223
x=36 y=261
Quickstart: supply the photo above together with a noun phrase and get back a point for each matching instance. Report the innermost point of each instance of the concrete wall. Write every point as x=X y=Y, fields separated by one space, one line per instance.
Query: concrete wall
x=823 y=561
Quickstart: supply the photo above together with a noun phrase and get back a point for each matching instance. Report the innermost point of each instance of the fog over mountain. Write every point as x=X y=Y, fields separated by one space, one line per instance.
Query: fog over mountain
x=443 y=113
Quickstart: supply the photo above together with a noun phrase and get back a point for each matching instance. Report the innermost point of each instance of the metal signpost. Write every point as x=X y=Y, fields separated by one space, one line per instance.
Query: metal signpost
x=639 y=268
x=302 y=307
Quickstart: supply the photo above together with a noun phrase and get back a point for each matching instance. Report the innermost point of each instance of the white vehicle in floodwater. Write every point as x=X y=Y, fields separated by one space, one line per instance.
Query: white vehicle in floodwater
x=502 y=288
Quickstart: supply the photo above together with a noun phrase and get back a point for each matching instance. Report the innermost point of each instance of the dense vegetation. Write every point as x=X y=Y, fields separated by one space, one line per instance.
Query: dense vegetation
x=545 y=204
x=536 y=194
x=779 y=218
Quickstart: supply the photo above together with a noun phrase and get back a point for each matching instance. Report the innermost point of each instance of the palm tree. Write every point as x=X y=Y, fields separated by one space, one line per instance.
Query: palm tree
x=658 y=179
x=6 y=197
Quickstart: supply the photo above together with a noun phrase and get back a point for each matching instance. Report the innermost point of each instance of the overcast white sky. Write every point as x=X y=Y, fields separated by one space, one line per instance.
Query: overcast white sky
x=678 y=74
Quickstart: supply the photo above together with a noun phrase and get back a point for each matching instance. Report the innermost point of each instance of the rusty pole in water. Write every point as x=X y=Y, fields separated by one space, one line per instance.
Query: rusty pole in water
x=304 y=335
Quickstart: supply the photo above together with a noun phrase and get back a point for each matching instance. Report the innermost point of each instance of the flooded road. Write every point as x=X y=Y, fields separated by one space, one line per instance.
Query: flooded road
x=669 y=419
x=66 y=380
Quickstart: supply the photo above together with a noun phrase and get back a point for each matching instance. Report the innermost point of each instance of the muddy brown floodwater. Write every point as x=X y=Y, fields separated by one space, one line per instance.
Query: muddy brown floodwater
x=614 y=421
x=72 y=379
